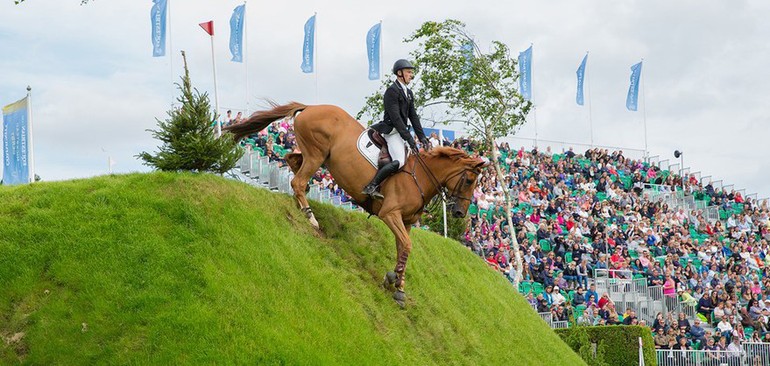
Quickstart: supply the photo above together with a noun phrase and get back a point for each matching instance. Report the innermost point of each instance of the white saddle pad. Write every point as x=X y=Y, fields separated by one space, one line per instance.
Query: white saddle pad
x=367 y=148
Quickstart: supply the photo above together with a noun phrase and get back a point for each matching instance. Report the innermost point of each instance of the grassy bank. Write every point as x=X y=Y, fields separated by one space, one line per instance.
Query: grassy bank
x=187 y=269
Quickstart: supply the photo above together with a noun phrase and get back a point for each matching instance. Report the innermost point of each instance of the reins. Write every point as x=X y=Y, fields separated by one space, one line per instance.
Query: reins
x=442 y=192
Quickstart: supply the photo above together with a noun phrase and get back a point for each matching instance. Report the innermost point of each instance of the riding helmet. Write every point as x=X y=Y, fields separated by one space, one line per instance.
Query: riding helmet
x=402 y=64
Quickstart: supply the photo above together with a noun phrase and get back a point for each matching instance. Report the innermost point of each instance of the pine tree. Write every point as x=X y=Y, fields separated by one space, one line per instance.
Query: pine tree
x=188 y=141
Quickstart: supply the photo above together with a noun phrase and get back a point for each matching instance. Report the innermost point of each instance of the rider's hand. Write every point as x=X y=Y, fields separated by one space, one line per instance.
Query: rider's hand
x=412 y=145
x=426 y=144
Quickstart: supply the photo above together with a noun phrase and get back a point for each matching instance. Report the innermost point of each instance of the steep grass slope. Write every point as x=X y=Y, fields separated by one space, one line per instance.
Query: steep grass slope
x=188 y=269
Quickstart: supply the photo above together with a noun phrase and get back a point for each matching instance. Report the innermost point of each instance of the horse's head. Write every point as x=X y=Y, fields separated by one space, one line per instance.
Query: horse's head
x=459 y=178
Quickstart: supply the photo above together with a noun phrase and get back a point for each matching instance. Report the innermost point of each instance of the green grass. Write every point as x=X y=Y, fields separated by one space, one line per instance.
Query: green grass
x=189 y=269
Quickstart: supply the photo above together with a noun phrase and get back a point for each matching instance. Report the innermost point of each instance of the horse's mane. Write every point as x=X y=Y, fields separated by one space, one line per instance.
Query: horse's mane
x=453 y=154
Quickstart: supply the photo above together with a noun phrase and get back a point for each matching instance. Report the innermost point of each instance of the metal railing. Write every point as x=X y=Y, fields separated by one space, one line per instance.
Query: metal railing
x=563 y=146
x=756 y=353
x=266 y=174
x=634 y=293
x=678 y=199
x=749 y=354
x=705 y=358
x=559 y=324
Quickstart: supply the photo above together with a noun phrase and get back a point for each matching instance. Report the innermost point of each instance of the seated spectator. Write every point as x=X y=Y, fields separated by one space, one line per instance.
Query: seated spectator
x=682 y=344
x=543 y=307
x=705 y=306
x=558 y=298
x=697 y=332
x=579 y=298
x=548 y=295
x=571 y=275
x=659 y=323
x=630 y=318
x=683 y=323
x=661 y=339
x=592 y=292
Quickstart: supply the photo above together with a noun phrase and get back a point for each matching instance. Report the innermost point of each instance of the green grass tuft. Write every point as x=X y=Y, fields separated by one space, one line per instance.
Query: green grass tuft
x=191 y=268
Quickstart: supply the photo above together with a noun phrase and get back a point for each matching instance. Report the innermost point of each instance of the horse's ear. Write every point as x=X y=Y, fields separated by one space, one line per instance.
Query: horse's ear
x=482 y=163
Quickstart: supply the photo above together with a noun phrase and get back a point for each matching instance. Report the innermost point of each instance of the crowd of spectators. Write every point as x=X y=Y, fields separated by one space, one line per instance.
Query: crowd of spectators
x=574 y=213
x=577 y=212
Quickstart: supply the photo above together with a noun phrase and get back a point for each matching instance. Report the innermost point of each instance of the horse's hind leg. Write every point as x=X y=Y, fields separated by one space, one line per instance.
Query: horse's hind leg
x=303 y=168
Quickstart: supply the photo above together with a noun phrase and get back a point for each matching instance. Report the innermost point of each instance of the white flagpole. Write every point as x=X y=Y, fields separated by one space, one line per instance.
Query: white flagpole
x=381 y=75
x=644 y=112
x=590 y=119
x=216 y=91
x=109 y=164
x=246 y=54
x=532 y=92
x=315 y=54
x=31 y=166
x=170 y=51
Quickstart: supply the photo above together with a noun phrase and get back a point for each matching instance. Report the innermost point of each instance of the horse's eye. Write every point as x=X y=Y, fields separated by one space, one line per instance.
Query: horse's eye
x=469 y=181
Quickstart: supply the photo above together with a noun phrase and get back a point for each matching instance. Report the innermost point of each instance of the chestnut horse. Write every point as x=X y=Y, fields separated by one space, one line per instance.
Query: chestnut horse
x=327 y=135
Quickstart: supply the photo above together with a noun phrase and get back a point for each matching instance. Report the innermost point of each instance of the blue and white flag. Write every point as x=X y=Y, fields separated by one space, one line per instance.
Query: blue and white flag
x=525 y=73
x=308 y=46
x=373 y=51
x=16 y=143
x=581 y=72
x=236 y=33
x=158 y=21
x=632 y=100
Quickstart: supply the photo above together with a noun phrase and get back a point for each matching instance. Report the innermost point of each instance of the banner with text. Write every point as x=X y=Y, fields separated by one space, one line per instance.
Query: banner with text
x=373 y=51
x=158 y=20
x=16 y=143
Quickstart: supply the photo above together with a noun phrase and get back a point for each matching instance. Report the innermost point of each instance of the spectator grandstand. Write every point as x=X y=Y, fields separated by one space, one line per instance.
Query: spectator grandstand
x=607 y=239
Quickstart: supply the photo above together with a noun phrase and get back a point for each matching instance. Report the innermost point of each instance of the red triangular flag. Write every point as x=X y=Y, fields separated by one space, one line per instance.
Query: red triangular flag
x=208 y=27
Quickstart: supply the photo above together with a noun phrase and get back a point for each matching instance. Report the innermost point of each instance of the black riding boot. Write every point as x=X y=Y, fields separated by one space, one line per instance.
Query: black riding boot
x=372 y=189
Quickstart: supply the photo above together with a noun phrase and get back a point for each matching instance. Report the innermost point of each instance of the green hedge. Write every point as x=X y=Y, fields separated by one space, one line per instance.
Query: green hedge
x=617 y=345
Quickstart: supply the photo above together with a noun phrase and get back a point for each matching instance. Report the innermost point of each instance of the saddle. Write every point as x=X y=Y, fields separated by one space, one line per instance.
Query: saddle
x=379 y=141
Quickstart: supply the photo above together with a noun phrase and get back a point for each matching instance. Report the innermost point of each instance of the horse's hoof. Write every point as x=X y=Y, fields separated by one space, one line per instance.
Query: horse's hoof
x=389 y=281
x=400 y=298
x=314 y=222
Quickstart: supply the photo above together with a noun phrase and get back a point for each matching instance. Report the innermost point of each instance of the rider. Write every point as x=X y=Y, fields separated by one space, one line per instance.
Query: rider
x=399 y=108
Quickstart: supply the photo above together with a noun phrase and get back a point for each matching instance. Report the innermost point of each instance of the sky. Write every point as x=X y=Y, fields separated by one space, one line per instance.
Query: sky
x=96 y=88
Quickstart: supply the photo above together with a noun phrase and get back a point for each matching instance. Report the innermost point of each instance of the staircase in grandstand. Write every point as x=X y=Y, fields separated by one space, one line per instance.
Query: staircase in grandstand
x=259 y=171
x=626 y=291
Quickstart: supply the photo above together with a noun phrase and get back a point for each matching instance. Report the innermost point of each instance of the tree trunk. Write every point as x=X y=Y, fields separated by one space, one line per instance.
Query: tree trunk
x=508 y=212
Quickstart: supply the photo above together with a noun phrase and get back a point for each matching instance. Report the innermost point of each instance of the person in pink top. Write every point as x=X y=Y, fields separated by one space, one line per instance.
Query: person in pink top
x=535 y=217
x=651 y=173
x=755 y=288
x=669 y=288
x=644 y=260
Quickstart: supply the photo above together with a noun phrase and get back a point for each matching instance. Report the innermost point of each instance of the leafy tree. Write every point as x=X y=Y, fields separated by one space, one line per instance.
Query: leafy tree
x=188 y=140
x=457 y=82
x=434 y=218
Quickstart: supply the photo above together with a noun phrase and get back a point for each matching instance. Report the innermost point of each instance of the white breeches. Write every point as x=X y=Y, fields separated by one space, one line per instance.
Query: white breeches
x=396 y=147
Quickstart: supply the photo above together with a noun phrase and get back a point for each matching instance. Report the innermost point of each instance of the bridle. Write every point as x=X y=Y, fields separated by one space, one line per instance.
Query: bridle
x=443 y=194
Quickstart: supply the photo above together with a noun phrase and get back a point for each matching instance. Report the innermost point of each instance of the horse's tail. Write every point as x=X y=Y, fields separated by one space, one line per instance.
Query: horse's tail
x=261 y=119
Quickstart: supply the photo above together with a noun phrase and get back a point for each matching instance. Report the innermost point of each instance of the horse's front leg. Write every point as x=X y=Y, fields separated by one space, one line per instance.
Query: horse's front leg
x=403 y=247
